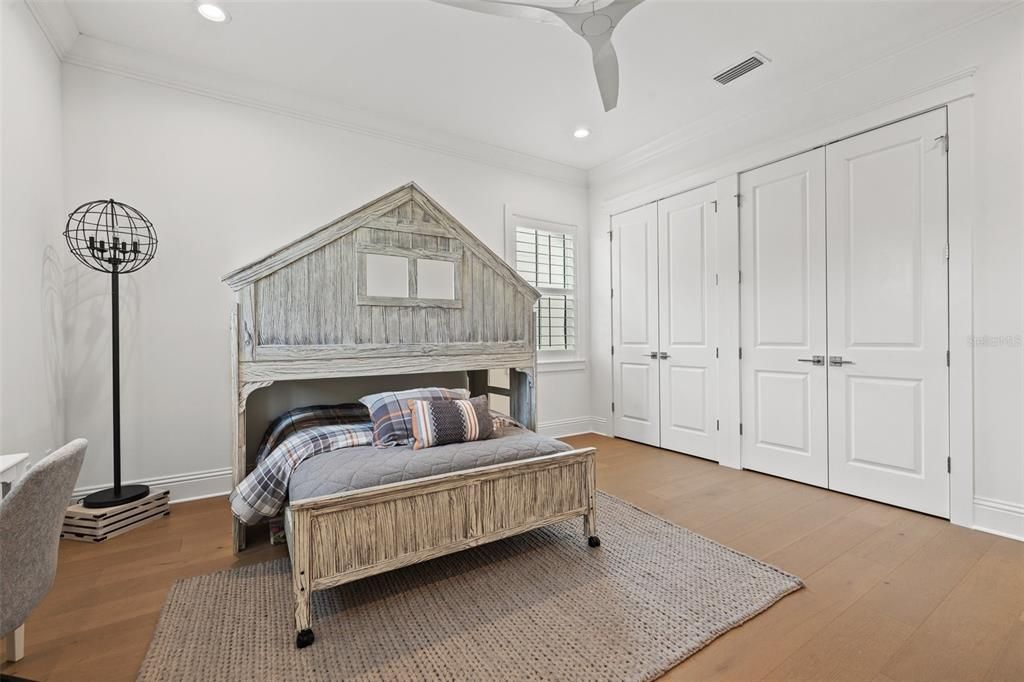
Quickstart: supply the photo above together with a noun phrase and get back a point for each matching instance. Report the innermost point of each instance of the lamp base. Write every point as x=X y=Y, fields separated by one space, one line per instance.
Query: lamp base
x=107 y=498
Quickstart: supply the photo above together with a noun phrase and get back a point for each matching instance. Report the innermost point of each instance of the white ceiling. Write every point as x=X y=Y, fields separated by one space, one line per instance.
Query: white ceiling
x=525 y=86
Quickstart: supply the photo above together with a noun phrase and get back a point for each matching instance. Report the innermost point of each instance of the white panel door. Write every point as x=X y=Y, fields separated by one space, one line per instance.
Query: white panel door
x=689 y=373
x=636 y=413
x=887 y=309
x=782 y=325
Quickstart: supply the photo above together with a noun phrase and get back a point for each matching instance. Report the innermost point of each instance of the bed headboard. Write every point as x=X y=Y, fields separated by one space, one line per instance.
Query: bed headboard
x=397 y=286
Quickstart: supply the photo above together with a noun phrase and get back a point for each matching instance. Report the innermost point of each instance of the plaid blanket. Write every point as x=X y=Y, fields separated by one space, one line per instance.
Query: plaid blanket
x=290 y=439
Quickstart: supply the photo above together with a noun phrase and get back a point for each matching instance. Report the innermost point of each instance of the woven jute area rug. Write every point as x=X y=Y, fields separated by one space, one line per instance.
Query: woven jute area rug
x=539 y=606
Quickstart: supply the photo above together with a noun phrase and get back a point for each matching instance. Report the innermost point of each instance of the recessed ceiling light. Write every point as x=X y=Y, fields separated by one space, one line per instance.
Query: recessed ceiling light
x=213 y=12
x=580 y=133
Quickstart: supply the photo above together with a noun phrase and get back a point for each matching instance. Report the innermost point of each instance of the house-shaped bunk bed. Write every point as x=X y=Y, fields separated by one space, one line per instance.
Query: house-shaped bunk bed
x=398 y=286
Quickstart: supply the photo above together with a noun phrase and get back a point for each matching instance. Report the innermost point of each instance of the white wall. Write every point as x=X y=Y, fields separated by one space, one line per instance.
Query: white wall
x=995 y=46
x=31 y=276
x=225 y=184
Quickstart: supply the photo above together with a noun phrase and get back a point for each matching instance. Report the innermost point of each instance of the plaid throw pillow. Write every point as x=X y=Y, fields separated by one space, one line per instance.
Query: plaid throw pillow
x=439 y=422
x=391 y=416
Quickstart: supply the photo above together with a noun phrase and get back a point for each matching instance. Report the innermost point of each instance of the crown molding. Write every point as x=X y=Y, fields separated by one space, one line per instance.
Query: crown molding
x=107 y=57
x=824 y=130
x=85 y=51
x=56 y=23
x=722 y=121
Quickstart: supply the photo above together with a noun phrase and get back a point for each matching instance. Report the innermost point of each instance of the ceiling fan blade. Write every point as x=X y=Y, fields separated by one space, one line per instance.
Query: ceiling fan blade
x=600 y=17
x=606 y=68
x=511 y=10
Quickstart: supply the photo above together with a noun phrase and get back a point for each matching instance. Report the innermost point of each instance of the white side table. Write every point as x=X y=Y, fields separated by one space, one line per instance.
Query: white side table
x=13 y=467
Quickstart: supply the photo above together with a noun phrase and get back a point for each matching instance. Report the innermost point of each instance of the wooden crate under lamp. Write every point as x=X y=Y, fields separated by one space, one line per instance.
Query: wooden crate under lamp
x=85 y=524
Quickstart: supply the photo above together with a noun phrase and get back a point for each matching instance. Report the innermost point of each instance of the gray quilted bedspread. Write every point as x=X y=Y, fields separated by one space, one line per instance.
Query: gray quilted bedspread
x=367 y=466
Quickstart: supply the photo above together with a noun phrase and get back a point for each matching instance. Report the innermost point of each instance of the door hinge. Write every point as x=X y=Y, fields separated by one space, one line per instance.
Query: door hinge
x=947 y=251
x=715 y=202
x=737 y=199
x=718 y=425
x=741 y=428
x=613 y=407
x=949 y=465
x=716 y=279
x=716 y=352
x=947 y=357
x=611 y=235
x=613 y=349
x=741 y=353
x=739 y=277
x=613 y=292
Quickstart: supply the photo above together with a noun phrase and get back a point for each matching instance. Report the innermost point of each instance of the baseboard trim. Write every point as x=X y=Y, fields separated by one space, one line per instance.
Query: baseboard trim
x=999 y=517
x=573 y=426
x=183 y=487
x=199 y=484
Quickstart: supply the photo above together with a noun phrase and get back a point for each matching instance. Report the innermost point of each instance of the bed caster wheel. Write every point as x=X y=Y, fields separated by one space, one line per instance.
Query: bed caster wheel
x=594 y=541
x=304 y=638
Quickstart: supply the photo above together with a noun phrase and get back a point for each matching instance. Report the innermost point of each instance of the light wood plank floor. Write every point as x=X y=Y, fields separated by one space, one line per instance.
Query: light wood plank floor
x=891 y=595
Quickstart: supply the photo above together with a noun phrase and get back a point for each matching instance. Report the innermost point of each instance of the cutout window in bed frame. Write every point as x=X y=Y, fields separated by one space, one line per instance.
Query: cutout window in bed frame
x=397 y=276
x=387 y=276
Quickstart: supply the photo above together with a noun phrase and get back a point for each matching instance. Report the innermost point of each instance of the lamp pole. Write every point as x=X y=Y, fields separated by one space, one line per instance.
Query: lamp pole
x=113 y=238
x=115 y=336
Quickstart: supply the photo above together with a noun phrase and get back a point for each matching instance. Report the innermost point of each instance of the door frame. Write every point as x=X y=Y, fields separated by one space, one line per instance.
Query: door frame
x=956 y=93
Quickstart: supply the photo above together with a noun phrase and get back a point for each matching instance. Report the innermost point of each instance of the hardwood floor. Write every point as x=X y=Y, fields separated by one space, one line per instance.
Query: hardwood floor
x=890 y=594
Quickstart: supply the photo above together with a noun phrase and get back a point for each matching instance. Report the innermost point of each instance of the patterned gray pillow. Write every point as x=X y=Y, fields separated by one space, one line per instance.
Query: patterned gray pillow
x=390 y=414
x=440 y=422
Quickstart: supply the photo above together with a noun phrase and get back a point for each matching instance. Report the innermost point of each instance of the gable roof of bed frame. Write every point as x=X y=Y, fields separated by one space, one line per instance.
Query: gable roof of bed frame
x=407 y=202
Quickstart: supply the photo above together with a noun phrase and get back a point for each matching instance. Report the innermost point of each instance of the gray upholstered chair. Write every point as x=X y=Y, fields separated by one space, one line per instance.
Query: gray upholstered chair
x=31 y=515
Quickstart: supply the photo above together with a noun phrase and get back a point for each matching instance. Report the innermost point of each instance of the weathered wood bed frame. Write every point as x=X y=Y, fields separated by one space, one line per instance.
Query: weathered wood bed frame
x=304 y=312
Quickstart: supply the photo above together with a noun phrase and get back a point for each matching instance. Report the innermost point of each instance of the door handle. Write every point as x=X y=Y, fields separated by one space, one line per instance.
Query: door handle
x=663 y=355
x=837 y=361
x=653 y=355
x=814 y=360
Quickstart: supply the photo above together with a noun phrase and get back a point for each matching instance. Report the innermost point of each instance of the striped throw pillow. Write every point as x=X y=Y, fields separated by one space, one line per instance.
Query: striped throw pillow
x=439 y=422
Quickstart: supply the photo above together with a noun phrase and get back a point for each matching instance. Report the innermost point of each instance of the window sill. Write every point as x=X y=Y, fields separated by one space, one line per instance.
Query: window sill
x=550 y=366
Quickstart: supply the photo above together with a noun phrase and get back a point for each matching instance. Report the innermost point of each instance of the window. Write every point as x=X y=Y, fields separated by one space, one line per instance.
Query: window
x=387 y=276
x=397 y=276
x=545 y=256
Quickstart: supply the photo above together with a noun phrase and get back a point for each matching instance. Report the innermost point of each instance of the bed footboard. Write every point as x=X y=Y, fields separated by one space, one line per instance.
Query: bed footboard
x=336 y=539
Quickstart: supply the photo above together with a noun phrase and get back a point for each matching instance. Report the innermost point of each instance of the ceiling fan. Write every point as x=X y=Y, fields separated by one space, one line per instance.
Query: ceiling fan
x=593 y=21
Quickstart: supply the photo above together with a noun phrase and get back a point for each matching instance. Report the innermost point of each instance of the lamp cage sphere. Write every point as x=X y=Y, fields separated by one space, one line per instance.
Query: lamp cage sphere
x=110 y=236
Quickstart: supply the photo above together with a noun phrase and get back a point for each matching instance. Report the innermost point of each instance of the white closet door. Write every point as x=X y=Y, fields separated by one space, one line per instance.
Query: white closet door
x=782 y=291
x=689 y=376
x=887 y=307
x=635 y=324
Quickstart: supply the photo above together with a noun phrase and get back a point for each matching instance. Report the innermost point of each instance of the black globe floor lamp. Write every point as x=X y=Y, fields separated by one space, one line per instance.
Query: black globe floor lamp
x=114 y=238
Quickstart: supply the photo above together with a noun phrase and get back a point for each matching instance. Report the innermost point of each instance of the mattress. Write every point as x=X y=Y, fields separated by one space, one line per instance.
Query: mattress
x=367 y=466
